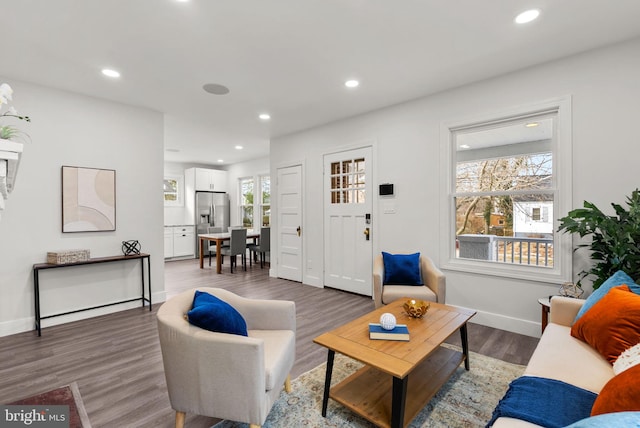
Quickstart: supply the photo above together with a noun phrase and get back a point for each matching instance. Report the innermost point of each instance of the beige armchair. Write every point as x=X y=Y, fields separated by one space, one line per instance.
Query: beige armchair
x=434 y=289
x=227 y=376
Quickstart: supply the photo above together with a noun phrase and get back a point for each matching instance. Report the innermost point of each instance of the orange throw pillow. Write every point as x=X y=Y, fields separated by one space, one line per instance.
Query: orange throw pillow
x=612 y=324
x=620 y=394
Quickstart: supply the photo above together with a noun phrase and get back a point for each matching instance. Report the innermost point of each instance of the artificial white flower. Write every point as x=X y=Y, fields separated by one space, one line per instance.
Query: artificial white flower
x=5 y=93
x=8 y=132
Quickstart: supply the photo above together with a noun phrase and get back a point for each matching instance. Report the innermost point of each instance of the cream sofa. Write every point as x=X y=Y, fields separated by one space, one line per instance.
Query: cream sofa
x=562 y=357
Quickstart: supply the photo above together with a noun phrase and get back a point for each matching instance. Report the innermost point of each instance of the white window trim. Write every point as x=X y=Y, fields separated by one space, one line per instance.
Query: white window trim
x=180 y=191
x=260 y=205
x=240 y=220
x=257 y=198
x=562 y=151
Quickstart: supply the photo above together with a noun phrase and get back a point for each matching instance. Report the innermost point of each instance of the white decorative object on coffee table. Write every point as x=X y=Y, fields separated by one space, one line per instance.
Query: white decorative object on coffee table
x=387 y=321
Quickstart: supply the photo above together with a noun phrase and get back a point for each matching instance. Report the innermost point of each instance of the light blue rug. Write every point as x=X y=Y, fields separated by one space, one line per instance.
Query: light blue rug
x=466 y=400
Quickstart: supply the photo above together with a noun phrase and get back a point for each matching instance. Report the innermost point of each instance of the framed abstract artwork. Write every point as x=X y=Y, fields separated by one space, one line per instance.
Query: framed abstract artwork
x=88 y=199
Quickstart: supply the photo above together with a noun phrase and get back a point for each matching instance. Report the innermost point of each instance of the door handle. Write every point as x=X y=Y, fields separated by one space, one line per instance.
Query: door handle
x=299 y=230
x=367 y=232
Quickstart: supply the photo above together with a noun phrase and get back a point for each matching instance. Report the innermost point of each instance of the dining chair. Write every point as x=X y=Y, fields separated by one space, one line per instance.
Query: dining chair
x=263 y=246
x=212 y=248
x=237 y=247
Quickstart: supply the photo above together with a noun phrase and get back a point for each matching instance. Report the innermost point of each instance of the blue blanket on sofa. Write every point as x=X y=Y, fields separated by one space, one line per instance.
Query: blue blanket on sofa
x=545 y=402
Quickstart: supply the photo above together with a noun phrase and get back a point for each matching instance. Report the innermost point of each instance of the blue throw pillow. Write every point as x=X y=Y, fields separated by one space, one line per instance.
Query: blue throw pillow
x=618 y=419
x=213 y=314
x=618 y=278
x=401 y=269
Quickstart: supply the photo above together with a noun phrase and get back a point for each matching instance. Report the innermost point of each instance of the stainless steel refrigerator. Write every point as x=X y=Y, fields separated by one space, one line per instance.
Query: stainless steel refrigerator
x=212 y=210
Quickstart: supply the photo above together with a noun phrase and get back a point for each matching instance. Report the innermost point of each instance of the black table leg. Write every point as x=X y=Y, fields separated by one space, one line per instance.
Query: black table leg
x=327 y=382
x=399 y=396
x=149 y=278
x=465 y=345
x=36 y=291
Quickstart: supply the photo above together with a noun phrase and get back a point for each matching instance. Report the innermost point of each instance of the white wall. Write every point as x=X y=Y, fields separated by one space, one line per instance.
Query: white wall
x=75 y=130
x=605 y=89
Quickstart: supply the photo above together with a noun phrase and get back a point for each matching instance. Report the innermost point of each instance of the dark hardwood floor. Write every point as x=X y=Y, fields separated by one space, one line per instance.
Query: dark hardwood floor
x=116 y=360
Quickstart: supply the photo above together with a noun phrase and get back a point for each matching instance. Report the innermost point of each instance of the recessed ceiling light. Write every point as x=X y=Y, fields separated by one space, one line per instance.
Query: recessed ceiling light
x=220 y=160
x=264 y=116
x=216 y=89
x=110 y=73
x=527 y=16
x=532 y=124
x=351 y=83
x=239 y=147
x=465 y=146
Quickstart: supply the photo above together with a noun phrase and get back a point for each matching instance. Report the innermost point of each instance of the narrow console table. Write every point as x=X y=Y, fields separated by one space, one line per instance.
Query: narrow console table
x=40 y=266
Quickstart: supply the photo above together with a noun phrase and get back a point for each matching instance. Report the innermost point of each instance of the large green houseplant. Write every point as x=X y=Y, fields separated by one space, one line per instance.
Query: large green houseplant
x=615 y=239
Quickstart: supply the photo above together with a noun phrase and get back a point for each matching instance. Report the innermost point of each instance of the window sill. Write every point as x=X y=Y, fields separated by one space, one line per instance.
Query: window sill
x=516 y=271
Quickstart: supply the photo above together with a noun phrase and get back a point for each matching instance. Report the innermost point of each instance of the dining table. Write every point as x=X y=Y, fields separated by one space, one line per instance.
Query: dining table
x=219 y=238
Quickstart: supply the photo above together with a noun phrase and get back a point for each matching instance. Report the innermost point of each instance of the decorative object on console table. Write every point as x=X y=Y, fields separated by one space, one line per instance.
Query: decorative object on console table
x=399 y=332
x=131 y=247
x=88 y=199
x=68 y=256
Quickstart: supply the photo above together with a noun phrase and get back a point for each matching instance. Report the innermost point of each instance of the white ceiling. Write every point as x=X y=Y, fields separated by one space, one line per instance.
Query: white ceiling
x=286 y=57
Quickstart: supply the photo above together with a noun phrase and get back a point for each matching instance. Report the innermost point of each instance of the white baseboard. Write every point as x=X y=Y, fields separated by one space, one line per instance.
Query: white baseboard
x=502 y=322
x=27 y=324
x=314 y=281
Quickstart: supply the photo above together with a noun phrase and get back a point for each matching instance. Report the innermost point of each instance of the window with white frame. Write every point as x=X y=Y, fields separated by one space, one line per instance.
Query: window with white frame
x=246 y=201
x=255 y=200
x=265 y=201
x=507 y=179
x=173 y=190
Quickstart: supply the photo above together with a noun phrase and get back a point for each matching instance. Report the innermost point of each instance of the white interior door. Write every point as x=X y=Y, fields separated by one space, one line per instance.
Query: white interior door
x=348 y=203
x=290 y=223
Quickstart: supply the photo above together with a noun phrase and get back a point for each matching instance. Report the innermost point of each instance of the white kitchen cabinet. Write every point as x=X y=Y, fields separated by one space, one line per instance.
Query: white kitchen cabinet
x=168 y=242
x=179 y=241
x=203 y=179
x=183 y=239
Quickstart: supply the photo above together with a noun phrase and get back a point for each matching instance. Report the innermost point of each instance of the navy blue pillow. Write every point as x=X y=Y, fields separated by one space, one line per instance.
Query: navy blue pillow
x=213 y=314
x=401 y=269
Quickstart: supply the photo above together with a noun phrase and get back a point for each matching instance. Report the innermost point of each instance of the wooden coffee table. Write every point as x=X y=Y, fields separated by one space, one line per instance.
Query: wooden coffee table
x=381 y=391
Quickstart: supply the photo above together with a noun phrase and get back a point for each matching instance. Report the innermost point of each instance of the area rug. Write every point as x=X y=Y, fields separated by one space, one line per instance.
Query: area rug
x=68 y=395
x=466 y=400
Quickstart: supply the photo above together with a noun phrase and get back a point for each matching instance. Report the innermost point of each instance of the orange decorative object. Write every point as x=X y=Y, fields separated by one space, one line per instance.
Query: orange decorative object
x=416 y=308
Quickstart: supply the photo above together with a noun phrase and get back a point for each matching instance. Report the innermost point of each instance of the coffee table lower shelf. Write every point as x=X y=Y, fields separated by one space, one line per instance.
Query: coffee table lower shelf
x=367 y=392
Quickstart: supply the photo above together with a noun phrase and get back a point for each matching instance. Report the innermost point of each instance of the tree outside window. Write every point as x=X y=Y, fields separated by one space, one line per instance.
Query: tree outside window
x=265 y=203
x=246 y=202
x=502 y=187
x=252 y=202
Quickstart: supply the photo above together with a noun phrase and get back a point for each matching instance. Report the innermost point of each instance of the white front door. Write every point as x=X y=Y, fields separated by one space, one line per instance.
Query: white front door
x=348 y=200
x=290 y=223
